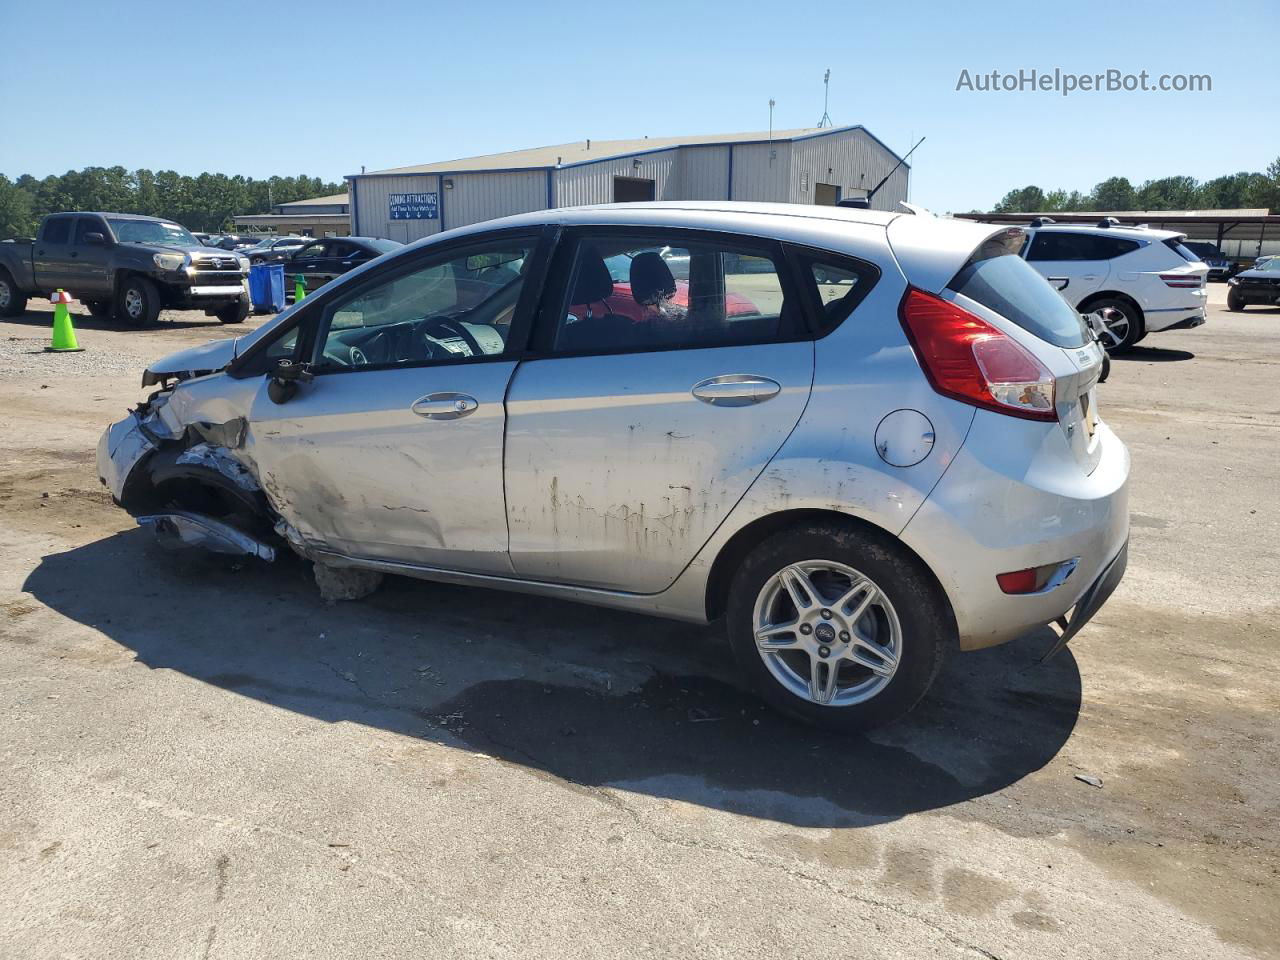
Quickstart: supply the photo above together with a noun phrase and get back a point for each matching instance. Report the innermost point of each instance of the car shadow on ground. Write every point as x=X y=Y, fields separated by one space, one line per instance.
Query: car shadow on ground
x=590 y=696
x=1154 y=355
x=84 y=321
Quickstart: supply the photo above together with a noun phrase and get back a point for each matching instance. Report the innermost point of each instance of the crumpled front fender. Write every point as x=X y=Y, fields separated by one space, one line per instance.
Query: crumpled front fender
x=120 y=449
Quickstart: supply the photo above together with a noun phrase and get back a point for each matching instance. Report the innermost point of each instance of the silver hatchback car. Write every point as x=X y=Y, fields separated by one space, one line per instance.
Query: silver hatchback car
x=860 y=438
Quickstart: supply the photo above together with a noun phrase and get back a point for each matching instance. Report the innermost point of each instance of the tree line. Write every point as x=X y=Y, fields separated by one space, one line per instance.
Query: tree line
x=1233 y=191
x=206 y=202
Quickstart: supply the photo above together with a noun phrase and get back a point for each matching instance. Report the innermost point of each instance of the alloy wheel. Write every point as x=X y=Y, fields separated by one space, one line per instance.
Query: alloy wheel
x=133 y=304
x=1115 y=326
x=827 y=633
x=6 y=294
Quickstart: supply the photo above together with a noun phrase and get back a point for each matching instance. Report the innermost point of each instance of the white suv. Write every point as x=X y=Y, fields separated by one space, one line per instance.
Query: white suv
x=1149 y=278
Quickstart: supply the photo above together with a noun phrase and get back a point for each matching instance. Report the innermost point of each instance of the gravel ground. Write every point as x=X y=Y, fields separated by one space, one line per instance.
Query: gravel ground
x=202 y=759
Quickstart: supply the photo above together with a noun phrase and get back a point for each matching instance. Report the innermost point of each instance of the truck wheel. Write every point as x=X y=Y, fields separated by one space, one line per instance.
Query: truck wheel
x=100 y=309
x=1234 y=301
x=13 y=302
x=138 y=302
x=836 y=626
x=233 y=313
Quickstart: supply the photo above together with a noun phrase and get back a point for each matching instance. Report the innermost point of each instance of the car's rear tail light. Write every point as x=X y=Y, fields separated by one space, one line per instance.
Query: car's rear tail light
x=967 y=359
x=1036 y=579
x=1185 y=280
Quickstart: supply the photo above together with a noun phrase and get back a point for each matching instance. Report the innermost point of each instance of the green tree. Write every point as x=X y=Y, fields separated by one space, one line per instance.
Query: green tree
x=1168 y=193
x=16 y=217
x=1114 y=193
x=1026 y=200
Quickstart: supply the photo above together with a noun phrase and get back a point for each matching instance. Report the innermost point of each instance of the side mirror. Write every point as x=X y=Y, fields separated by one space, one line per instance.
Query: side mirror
x=285 y=379
x=95 y=239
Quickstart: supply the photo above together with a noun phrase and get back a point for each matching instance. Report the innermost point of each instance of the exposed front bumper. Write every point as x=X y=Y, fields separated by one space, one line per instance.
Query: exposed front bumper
x=1015 y=498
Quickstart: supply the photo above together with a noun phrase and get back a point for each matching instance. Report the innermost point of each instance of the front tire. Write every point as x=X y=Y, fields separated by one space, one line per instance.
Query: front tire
x=1235 y=302
x=836 y=626
x=13 y=302
x=100 y=309
x=138 y=302
x=233 y=313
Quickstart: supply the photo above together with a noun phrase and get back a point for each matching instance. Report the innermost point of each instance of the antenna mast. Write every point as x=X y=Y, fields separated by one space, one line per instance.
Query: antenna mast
x=826 y=97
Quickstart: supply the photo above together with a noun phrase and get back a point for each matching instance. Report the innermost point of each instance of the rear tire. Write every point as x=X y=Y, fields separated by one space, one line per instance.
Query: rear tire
x=13 y=302
x=1235 y=302
x=1126 y=332
x=887 y=640
x=138 y=302
x=234 y=313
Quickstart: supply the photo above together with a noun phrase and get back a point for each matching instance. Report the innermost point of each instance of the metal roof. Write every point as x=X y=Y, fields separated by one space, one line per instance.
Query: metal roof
x=1247 y=214
x=590 y=151
x=330 y=201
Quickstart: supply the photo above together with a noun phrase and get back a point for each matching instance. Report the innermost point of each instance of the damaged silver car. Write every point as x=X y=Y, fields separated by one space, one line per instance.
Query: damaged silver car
x=861 y=439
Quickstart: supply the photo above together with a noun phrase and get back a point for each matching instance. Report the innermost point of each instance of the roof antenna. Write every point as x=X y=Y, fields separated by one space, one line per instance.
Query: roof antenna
x=826 y=96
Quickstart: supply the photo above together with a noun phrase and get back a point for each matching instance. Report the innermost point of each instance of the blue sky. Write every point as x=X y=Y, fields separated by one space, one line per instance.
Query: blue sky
x=172 y=85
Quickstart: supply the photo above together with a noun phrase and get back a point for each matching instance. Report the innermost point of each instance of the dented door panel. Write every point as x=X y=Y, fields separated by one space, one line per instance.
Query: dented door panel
x=355 y=469
x=617 y=473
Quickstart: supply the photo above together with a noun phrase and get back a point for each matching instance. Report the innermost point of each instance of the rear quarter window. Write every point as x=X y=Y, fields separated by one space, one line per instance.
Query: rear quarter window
x=1003 y=282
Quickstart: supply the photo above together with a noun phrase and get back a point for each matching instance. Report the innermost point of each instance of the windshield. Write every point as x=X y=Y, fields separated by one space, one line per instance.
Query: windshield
x=1272 y=266
x=153 y=232
x=1002 y=281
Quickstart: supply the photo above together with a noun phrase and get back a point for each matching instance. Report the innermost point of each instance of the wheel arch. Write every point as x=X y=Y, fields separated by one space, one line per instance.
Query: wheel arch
x=757 y=531
x=1093 y=298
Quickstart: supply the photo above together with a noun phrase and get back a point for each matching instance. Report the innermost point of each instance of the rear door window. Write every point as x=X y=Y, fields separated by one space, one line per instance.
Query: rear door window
x=1054 y=245
x=57 y=231
x=664 y=291
x=1003 y=282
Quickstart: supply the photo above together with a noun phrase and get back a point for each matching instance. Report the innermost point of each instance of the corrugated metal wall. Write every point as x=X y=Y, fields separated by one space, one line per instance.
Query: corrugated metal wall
x=853 y=161
x=593 y=182
x=785 y=171
x=485 y=196
x=761 y=171
x=704 y=173
x=373 y=207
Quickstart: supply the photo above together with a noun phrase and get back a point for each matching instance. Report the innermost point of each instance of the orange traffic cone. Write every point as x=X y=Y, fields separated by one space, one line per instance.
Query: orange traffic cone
x=64 y=334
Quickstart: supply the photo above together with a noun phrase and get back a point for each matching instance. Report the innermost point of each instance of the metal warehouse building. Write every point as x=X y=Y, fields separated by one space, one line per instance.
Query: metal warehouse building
x=816 y=165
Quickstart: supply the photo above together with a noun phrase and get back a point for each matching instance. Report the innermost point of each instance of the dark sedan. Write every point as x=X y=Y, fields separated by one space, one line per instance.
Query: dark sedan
x=274 y=249
x=321 y=260
x=1261 y=285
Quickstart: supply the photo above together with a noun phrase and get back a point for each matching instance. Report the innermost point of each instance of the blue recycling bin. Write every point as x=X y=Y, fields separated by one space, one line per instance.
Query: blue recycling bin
x=266 y=287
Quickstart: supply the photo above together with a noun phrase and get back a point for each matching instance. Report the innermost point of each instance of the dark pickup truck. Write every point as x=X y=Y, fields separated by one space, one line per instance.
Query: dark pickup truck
x=125 y=266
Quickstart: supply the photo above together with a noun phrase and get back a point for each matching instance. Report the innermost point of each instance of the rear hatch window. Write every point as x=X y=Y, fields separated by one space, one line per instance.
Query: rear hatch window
x=1002 y=281
x=1181 y=249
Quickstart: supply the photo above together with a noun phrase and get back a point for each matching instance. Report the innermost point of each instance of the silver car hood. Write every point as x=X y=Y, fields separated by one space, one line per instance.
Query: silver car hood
x=192 y=362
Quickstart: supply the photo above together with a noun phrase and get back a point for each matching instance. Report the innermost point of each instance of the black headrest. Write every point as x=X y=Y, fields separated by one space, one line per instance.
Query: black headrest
x=593 y=282
x=651 y=279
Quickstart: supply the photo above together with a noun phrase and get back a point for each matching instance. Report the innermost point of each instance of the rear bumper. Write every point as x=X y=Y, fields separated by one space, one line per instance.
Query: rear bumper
x=1091 y=600
x=1016 y=498
x=1176 y=319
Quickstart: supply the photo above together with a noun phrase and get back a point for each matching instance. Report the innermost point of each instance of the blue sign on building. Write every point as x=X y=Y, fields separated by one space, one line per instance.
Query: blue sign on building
x=415 y=206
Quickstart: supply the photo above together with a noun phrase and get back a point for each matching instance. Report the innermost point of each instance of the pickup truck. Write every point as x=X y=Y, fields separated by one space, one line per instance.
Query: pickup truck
x=125 y=266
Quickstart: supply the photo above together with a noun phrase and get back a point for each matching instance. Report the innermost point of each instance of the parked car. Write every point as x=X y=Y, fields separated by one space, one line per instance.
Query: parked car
x=273 y=249
x=1146 y=276
x=1259 y=286
x=320 y=261
x=899 y=452
x=238 y=241
x=124 y=265
x=1220 y=267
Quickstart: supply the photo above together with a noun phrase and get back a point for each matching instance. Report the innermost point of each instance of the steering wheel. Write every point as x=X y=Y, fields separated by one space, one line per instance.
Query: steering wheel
x=452 y=328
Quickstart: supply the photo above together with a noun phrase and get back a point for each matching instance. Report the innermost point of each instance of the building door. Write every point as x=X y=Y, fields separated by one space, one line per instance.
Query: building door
x=826 y=194
x=632 y=190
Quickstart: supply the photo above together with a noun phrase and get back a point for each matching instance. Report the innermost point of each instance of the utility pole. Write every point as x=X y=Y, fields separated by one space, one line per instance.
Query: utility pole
x=826 y=97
